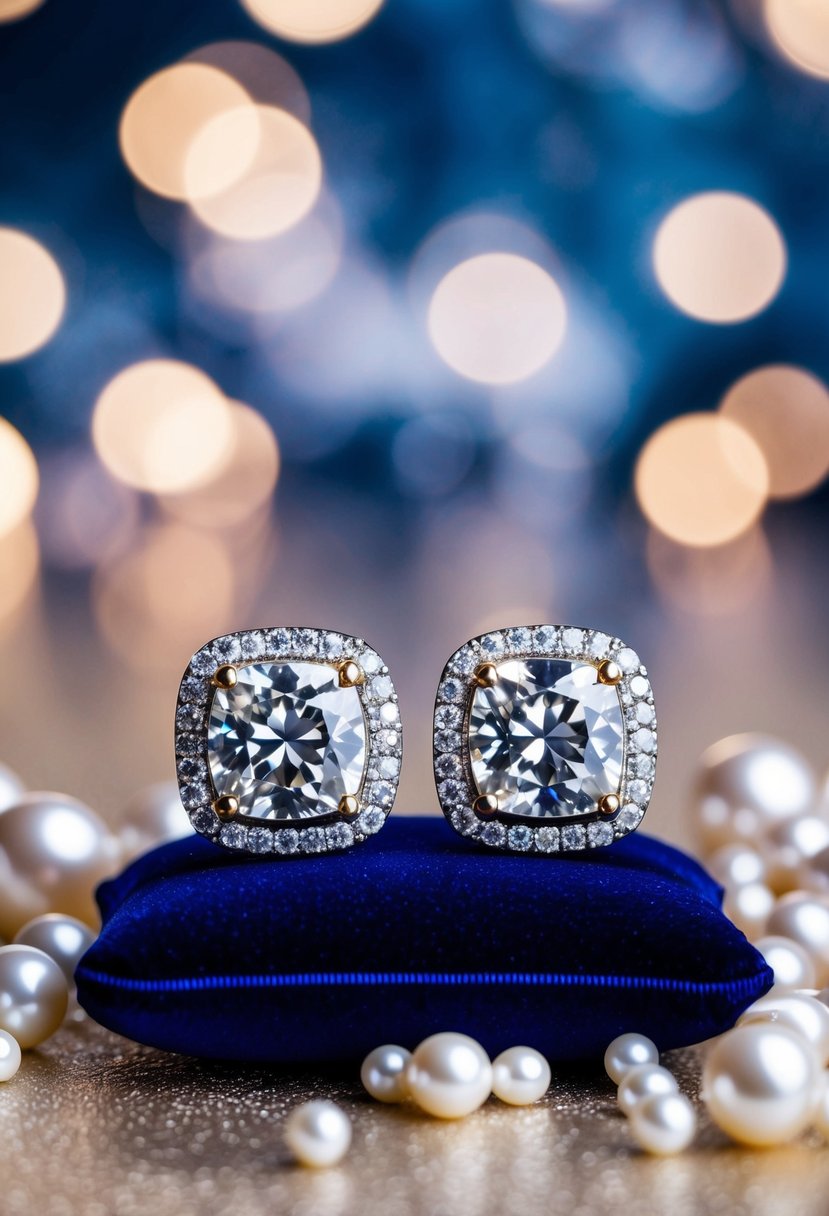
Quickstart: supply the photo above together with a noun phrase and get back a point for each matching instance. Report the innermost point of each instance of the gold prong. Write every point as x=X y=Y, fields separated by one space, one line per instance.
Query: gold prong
x=609 y=672
x=226 y=806
x=608 y=804
x=224 y=676
x=350 y=673
x=349 y=806
x=485 y=806
x=486 y=675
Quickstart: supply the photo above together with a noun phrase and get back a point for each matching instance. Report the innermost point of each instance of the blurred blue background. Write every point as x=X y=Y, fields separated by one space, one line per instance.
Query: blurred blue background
x=429 y=455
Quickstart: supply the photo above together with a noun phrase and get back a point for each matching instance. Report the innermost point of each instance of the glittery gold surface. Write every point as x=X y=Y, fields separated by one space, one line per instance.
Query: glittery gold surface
x=98 y=1126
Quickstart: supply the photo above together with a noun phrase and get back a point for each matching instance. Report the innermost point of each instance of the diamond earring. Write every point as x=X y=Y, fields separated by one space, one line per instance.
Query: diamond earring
x=287 y=741
x=544 y=739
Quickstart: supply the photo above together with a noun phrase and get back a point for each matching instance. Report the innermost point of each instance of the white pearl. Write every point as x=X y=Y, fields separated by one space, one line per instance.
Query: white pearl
x=53 y=853
x=792 y=966
x=153 y=816
x=663 y=1123
x=746 y=785
x=805 y=919
x=626 y=1052
x=736 y=865
x=11 y=787
x=760 y=1082
x=33 y=994
x=449 y=1075
x=10 y=1055
x=749 y=907
x=644 y=1081
x=800 y=1012
x=520 y=1075
x=63 y=938
x=318 y=1133
x=383 y=1073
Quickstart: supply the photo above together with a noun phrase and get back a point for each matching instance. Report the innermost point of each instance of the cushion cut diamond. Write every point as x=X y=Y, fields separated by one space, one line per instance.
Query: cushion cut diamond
x=287 y=740
x=547 y=738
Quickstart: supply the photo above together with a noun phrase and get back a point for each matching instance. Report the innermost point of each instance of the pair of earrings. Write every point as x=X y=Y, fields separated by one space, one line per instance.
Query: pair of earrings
x=288 y=740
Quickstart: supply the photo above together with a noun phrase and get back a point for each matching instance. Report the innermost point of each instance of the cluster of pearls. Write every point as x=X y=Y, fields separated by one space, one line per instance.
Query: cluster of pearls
x=662 y=1119
x=54 y=850
x=449 y=1075
x=763 y=827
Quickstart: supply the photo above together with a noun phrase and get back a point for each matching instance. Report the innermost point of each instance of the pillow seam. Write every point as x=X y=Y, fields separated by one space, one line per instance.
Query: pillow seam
x=321 y=979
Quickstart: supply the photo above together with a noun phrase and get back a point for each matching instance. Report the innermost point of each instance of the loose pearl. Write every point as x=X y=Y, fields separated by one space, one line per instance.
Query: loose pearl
x=12 y=788
x=318 y=1133
x=805 y=919
x=644 y=1081
x=53 y=853
x=760 y=1082
x=736 y=865
x=663 y=1123
x=746 y=785
x=449 y=1075
x=749 y=907
x=384 y=1073
x=792 y=966
x=520 y=1075
x=33 y=994
x=63 y=938
x=626 y=1052
x=10 y=1055
x=801 y=1013
x=153 y=816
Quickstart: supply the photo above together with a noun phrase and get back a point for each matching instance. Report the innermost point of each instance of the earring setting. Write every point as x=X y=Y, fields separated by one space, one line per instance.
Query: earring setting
x=287 y=741
x=544 y=739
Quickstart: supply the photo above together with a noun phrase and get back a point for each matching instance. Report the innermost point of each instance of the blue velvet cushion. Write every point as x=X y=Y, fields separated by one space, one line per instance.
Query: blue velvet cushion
x=228 y=956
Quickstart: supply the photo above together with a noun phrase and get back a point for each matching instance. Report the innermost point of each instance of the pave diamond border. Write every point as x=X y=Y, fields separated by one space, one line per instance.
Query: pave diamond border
x=330 y=832
x=453 y=773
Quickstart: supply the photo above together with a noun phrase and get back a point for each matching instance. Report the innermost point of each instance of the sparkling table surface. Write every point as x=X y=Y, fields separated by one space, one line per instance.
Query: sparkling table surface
x=98 y=1126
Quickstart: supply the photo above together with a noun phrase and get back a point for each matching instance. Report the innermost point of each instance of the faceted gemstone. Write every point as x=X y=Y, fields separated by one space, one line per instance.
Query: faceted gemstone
x=547 y=738
x=286 y=740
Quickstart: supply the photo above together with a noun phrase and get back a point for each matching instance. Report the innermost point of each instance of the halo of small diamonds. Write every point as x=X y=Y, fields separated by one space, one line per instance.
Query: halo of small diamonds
x=457 y=790
x=327 y=832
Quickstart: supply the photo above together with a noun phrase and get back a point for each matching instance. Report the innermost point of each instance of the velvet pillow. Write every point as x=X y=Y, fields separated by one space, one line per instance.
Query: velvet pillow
x=229 y=956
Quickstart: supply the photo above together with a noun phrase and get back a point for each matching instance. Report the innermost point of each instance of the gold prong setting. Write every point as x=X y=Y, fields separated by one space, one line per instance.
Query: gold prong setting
x=477 y=666
x=217 y=668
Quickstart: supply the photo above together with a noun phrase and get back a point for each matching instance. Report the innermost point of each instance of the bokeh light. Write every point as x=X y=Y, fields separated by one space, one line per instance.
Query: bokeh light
x=18 y=478
x=245 y=482
x=701 y=480
x=800 y=28
x=266 y=77
x=497 y=318
x=723 y=580
x=166 y=113
x=312 y=20
x=32 y=295
x=719 y=257
x=13 y=10
x=786 y=411
x=277 y=189
x=162 y=426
